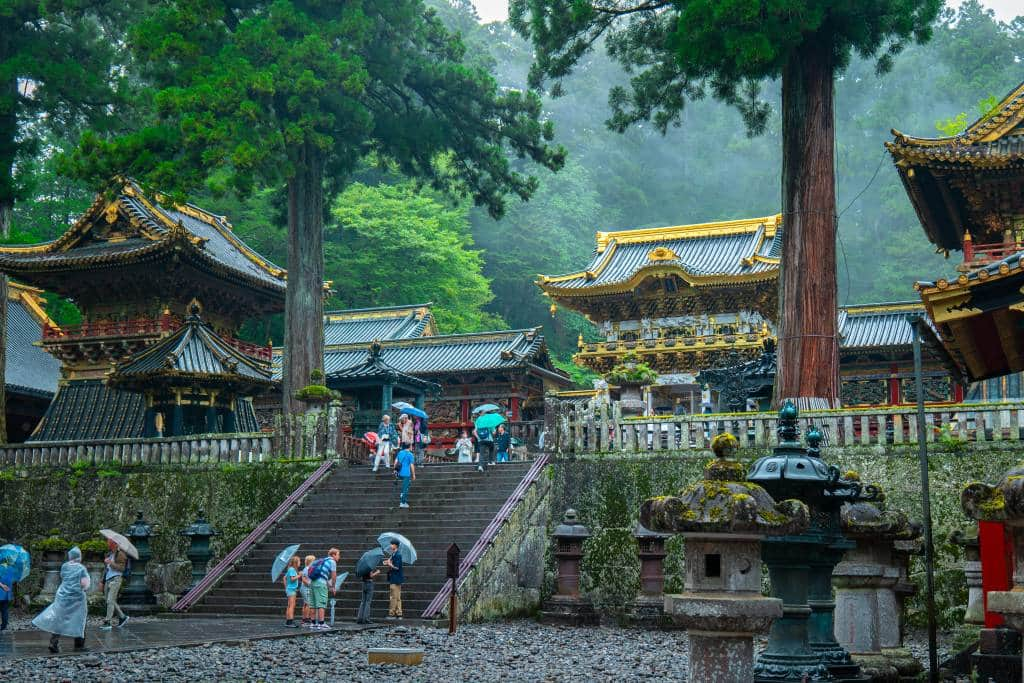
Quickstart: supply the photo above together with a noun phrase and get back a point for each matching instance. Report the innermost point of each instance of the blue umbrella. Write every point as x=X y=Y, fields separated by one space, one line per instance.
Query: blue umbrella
x=415 y=412
x=370 y=560
x=489 y=421
x=282 y=560
x=404 y=545
x=16 y=557
x=340 y=580
x=486 y=408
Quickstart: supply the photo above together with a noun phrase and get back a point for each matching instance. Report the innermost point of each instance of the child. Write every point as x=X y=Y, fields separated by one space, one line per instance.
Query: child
x=307 y=609
x=464 y=447
x=291 y=588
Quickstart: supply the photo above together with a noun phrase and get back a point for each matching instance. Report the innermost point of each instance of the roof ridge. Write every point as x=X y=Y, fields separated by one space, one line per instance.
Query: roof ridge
x=705 y=229
x=441 y=338
x=397 y=307
x=1009 y=110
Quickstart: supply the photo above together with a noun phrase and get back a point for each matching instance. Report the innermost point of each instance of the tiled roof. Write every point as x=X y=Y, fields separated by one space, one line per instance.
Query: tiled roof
x=29 y=369
x=877 y=325
x=89 y=409
x=373 y=367
x=194 y=350
x=428 y=357
x=704 y=254
x=208 y=237
x=363 y=325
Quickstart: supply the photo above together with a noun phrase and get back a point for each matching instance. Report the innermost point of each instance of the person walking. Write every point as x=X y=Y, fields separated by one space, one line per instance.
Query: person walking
x=363 y=615
x=485 y=441
x=395 y=580
x=66 y=614
x=8 y=577
x=406 y=431
x=116 y=561
x=405 y=464
x=464 y=448
x=502 y=443
x=388 y=437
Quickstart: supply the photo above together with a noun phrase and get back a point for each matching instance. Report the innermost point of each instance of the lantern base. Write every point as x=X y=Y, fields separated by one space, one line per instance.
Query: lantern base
x=565 y=610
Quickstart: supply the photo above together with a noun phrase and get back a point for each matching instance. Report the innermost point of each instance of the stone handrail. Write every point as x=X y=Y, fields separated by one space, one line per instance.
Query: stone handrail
x=581 y=428
x=246 y=447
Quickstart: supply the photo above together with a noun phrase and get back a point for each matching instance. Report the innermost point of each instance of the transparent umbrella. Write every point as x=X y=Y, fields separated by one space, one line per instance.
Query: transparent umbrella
x=122 y=542
x=485 y=408
x=405 y=546
x=282 y=560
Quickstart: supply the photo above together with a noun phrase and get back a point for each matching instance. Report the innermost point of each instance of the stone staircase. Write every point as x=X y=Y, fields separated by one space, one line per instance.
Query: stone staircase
x=348 y=510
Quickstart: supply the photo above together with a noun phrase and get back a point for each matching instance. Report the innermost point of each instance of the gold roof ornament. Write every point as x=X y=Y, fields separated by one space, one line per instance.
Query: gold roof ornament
x=110 y=213
x=661 y=254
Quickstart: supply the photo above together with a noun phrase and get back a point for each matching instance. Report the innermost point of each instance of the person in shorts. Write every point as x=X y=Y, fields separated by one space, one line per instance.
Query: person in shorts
x=307 y=597
x=291 y=590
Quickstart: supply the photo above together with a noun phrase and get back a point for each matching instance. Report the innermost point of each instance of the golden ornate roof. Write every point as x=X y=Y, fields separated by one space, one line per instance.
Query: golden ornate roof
x=720 y=253
x=31 y=298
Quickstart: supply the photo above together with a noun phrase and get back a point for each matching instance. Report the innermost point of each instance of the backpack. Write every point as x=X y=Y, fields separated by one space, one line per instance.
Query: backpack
x=127 y=573
x=318 y=570
x=484 y=434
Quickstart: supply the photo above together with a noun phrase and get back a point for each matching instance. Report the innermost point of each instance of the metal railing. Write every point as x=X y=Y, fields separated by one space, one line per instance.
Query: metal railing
x=585 y=428
x=214 y=576
x=487 y=537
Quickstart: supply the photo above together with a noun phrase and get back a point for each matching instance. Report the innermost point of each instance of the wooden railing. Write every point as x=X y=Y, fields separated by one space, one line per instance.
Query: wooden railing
x=583 y=428
x=976 y=255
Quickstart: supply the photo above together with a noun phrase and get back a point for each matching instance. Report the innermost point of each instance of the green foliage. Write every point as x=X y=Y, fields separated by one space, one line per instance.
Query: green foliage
x=315 y=392
x=52 y=544
x=395 y=244
x=93 y=546
x=631 y=371
x=958 y=124
x=581 y=377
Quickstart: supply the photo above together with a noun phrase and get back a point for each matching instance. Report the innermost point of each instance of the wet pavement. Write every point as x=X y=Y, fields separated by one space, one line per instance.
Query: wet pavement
x=158 y=633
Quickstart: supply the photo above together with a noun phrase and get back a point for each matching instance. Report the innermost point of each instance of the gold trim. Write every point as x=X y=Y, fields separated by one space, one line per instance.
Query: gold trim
x=31 y=298
x=656 y=271
x=691 y=231
x=895 y=307
x=659 y=254
x=1006 y=115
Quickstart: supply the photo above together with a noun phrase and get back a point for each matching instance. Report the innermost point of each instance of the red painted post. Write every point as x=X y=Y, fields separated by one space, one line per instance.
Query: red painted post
x=996 y=564
x=894 y=386
x=514 y=406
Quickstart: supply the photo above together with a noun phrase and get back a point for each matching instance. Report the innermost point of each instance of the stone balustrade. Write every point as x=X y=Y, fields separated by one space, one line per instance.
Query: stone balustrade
x=582 y=427
x=254 y=447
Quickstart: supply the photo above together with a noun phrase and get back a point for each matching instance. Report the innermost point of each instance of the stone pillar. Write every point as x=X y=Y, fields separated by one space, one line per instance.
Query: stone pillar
x=649 y=605
x=199 y=534
x=968 y=540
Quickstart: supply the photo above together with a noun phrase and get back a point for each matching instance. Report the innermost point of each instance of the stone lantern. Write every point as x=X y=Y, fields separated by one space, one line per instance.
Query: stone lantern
x=868 y=608
x=802 y=644
x=999 y=651
x=199 y=534
x=968 y=540
x=648 y=607
x=566 y=605
x=569 y=537
x=136 y=592
x=723 y=519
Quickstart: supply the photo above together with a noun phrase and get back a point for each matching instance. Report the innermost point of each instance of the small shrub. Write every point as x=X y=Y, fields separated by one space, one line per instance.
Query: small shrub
x=52 y=544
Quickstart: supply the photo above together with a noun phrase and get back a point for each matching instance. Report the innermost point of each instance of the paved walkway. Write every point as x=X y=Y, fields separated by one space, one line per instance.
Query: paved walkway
x=157 y=633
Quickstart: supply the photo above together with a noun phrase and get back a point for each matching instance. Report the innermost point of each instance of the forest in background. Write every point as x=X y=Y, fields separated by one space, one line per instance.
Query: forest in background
x=388 y=241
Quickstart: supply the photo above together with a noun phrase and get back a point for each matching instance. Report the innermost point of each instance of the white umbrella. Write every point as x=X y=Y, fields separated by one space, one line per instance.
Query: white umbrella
x=122 y=542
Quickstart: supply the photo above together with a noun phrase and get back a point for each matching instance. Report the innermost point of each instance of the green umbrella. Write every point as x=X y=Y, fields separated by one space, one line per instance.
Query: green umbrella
x=489 y=421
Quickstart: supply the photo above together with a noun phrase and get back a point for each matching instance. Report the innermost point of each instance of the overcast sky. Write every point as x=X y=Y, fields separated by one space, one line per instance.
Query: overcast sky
x=493 y=10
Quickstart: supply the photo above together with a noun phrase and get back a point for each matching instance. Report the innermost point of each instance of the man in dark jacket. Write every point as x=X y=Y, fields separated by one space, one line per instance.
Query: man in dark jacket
x=396 y=578
x=502 y=443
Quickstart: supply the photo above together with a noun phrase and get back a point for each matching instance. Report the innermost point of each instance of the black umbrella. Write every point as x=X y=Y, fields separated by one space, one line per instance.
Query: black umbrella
x=369 y=561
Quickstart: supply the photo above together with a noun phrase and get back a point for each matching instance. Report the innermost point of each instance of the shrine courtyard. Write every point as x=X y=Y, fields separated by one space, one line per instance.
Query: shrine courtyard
x=189 y=649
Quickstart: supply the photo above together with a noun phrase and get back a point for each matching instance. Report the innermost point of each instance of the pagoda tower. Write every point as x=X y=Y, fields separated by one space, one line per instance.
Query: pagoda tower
x=135 y=267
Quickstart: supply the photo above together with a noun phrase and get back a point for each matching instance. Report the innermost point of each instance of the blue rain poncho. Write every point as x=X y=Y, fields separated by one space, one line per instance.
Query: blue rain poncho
x=66 y=614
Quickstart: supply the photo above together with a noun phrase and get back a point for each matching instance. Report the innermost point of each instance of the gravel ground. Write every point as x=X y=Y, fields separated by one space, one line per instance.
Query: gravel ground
x=511 y=651
x=517 y=651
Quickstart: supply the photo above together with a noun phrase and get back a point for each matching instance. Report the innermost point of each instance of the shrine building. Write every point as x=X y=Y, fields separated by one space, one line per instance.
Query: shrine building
x=30 y=373
x=703 y=298
x=144 y=272
x=968 y=192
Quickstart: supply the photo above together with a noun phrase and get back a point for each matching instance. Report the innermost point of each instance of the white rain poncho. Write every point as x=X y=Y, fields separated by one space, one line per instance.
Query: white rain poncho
x=66 y=614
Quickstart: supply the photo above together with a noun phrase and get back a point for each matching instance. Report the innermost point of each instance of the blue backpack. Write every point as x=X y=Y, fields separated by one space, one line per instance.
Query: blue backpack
x=318 y=570
x=484 y=434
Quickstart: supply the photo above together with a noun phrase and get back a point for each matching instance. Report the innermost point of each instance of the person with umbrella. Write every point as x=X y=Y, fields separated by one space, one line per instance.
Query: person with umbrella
x=14 y=567
x=483 y=430
x=367 y=571
x=116 y=561
x=66 y=614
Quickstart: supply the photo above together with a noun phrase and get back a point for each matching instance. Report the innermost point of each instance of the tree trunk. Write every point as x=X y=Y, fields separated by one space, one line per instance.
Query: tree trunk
x=304 y=303
x=3 y=358
x=8 y=148
x=808 y=342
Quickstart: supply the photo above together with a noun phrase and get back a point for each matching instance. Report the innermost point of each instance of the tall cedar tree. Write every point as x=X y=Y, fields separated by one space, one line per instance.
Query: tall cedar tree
x=297 y=92
x=679 y=50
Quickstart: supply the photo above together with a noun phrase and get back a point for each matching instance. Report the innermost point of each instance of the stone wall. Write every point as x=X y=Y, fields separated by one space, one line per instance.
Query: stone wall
x=607 y=491
x=508 y=579
x=75 y=502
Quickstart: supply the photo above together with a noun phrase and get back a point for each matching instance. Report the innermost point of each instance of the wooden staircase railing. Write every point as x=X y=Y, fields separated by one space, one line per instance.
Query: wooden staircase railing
x=255 y=536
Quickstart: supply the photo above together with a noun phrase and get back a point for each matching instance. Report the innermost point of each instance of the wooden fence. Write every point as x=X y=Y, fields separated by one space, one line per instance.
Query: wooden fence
x=582 y=427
